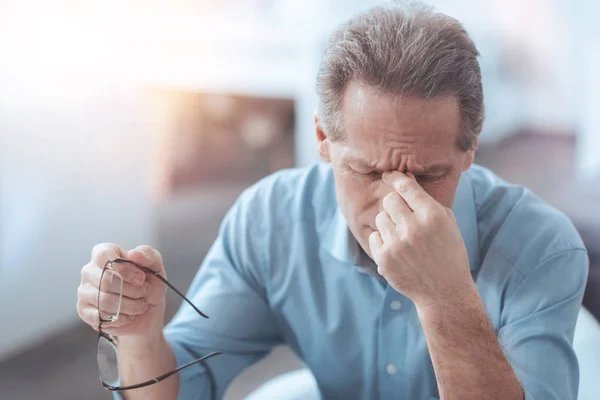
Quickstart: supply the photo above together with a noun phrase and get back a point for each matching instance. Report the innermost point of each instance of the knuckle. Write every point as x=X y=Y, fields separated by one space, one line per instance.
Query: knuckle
x=395 y=241
x=136 y=292
x=97 y=250
x=103 y=252
x=80 y=292
x=79 y=308
x=386 y=253
x=405 y=187
x=142 y=290
x=123 y=319
x=148 y=251
x=124 y=270
x=140 y=306
x=105 y=299
x=373 y=236
x=434 y=216
x=85 y=272
x=85 y=293
x=409 y=235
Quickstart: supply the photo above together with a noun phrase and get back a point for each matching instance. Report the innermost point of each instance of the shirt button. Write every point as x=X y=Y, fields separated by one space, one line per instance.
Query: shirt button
x=395 y=305
x=391 y=369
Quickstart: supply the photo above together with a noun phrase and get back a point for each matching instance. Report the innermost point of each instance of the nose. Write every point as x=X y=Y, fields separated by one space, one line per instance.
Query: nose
x=382 y=191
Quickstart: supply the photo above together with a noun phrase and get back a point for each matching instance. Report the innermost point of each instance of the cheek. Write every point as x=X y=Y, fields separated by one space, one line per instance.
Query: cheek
x=359 y=198
x=443 y=192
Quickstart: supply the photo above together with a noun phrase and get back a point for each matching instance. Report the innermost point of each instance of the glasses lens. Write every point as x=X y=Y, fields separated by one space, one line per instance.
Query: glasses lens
x=108 y=362
x=110 y=295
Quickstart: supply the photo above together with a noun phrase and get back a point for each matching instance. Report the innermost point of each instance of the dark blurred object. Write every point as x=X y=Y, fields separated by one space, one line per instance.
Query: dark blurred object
x=544 y=162
x=204 y=139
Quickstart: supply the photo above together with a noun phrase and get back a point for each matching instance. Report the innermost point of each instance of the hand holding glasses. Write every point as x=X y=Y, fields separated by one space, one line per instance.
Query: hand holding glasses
x=112 y=301
x=108 y=311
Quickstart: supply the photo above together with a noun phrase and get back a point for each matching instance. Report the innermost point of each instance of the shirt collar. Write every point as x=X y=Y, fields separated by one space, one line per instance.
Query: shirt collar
x=342 y=245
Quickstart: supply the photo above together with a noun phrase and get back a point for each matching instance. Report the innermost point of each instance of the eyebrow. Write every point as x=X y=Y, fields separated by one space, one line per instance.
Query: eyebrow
x=427 y=170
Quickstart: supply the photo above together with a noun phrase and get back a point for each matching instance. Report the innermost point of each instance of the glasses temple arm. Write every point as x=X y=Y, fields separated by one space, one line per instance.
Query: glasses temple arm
x=156 y=274
x=162 y=377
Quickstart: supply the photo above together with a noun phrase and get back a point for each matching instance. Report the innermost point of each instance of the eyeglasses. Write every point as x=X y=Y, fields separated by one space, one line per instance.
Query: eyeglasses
x=109 y=308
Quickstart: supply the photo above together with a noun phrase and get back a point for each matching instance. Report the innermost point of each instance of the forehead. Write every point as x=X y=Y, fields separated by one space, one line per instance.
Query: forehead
x=381 y=128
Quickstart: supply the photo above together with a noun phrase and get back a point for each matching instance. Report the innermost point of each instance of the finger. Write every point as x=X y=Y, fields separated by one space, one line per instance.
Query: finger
x=90 y=316
x=92 y=276
x=375 y=243
x=109 y=302
x=386 y=226
x=410 y=190
x=128 y=270
x=396 y=207
x=146 y=256
x=104 y=252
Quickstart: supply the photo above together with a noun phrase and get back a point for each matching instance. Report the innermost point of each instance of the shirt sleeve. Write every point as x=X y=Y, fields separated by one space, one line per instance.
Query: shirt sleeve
x=228 y=289
x=537 y=328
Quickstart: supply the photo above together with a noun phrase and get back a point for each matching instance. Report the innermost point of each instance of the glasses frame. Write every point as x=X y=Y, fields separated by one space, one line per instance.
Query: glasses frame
x=113 y=341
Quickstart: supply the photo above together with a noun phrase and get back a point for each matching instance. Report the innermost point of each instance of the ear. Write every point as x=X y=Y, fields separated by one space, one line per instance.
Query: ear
x=470 y=156
x=323 y=141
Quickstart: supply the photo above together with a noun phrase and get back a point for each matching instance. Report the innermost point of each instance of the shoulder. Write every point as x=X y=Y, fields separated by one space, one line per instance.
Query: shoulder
x=518 y=224
x=290 y=195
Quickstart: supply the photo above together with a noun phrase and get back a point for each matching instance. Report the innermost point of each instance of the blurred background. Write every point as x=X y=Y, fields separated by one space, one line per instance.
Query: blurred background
x=141 y=121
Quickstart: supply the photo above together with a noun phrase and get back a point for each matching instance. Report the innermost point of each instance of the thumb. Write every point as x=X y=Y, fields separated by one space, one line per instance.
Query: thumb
x=146 y=256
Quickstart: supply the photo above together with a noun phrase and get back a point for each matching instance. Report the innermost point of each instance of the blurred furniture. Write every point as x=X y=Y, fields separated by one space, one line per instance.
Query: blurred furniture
x=301 y=384
x=295 y=385
x=203 y=138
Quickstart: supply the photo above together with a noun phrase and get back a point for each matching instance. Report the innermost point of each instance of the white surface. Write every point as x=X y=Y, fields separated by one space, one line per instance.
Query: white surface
x=294 y=385
x=73 y=173
x=586 y=343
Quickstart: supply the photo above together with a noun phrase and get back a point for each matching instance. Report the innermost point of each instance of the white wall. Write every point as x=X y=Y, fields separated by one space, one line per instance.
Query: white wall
x=584 y=61
x=73 y=172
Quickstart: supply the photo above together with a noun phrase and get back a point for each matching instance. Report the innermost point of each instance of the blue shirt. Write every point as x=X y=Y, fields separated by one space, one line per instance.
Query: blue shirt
x=286 y=269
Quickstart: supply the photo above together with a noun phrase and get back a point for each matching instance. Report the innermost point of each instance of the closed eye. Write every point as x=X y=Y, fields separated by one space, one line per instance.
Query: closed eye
x=428 y=178
x=374 y=174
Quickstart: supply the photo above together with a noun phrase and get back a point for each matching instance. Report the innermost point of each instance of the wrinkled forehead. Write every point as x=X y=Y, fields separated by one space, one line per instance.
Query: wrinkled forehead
x=390 y=130
x=396 y=161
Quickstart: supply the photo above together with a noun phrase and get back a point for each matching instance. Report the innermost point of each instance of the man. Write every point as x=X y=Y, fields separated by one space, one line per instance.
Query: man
x=397 y=270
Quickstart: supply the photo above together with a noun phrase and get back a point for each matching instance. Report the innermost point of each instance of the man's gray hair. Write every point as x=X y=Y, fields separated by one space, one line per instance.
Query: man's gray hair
x=402 y=48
